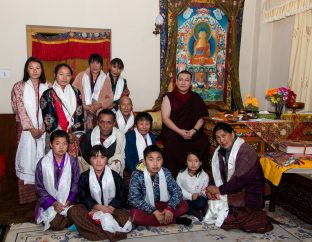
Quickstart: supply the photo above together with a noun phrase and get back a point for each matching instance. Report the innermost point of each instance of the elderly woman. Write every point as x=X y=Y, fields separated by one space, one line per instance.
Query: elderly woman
x=31 y=134
x=61 y=106
x=124 y=115
x=239 y=184
x=182 y=115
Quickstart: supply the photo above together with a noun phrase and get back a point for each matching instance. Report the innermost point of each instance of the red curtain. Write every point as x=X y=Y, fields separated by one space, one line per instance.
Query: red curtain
x=71 y=45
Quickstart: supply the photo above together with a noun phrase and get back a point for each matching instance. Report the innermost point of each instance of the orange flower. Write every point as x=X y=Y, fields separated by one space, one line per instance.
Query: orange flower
x=272 y=92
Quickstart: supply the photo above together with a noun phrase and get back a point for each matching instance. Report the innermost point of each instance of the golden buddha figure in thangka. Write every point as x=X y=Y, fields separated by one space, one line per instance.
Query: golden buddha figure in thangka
x=201 y=54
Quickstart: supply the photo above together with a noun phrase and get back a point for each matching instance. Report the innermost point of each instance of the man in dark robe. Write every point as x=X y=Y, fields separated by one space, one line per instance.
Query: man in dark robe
x=182 y=131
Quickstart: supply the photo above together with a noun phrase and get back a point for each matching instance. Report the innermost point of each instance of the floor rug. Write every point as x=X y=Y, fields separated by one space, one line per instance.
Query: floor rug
x=291 y=229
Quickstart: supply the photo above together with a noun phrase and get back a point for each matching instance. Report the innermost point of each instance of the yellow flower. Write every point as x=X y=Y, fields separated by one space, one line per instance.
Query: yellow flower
x=248 y=100
x=255 y=102
x=251 y=103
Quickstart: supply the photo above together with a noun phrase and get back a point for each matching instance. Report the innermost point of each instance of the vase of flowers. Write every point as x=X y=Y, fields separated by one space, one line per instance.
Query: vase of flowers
x=251 y=105
x=279 y=97
x=279 y=107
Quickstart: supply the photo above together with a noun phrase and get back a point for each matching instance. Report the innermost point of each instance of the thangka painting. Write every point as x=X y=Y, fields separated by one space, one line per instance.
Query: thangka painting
x=202 y=50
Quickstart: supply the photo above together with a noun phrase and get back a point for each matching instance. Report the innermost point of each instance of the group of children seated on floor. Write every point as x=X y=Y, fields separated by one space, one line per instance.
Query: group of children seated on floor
x=96 y=201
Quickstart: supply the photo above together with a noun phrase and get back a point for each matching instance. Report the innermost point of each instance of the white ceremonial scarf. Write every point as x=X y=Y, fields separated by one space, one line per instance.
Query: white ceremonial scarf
x=89 y=96
x=108 y=186
x=69 y=101
x=108 y=223
x=140 y=142
x=122 y=125
x=96 y=137
x=61 y=194
x=119 y=88
x=231 y=162
x=30 y=150
x=164 y=195
x=218 y=209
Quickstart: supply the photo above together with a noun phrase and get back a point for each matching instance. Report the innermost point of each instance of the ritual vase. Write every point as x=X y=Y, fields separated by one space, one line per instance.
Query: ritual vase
x=279 y=107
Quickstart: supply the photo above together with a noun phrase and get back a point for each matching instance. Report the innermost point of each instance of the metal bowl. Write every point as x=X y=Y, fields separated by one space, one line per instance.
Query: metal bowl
x=294 y=106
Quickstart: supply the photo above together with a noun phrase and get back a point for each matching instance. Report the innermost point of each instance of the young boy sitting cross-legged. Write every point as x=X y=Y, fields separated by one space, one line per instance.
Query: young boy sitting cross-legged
x=154 y=195
x=101 y=191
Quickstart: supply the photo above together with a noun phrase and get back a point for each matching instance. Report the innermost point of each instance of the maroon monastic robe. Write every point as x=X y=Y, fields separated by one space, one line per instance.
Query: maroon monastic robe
x=185 y=116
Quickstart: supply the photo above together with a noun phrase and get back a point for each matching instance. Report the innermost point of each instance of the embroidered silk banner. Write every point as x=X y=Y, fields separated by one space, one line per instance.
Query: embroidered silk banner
x=202 y=50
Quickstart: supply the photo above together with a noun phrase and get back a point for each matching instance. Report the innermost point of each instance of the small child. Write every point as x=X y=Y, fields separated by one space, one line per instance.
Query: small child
x=101 y=191
x=56 y=182
x=193 y=181
x=118 y=83
x=154 y=195
x=137 y=140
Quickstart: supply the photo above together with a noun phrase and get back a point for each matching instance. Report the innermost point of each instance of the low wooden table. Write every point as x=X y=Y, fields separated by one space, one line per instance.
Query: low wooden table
x=273 y=171
x=260 y=134
x=263 y=134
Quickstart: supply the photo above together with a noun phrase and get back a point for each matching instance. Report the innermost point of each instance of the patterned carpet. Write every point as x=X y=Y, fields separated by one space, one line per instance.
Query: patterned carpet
x=291 y=229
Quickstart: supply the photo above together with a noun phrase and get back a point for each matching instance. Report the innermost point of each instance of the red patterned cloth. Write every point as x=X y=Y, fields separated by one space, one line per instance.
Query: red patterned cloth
x=284 y=159
x=301 y=129
x=272 y=131
x=63 y=123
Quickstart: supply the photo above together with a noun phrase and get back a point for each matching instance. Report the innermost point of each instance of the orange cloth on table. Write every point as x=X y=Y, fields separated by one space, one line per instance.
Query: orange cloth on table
x=273 y=171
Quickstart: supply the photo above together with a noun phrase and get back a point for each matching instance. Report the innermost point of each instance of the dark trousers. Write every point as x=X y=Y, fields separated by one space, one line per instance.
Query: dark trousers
x=197 y=206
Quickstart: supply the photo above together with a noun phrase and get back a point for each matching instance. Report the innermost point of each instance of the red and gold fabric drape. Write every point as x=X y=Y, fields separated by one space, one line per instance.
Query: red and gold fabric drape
x=71 y=46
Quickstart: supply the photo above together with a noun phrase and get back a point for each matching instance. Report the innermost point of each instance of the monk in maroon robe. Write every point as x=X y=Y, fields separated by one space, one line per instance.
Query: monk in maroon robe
x=182 y=131
x=237 y=173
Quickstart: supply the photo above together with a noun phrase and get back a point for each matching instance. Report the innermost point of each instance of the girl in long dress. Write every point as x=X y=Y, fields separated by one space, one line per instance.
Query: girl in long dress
x=25 y=98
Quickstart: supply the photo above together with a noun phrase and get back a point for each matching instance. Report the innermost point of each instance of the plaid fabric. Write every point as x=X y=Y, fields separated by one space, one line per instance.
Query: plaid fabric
x=60 y=222
x=26 y=193
x=88 y=229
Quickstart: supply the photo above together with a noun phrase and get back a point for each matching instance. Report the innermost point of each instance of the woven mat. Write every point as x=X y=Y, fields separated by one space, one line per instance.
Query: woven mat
x=291 y=229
